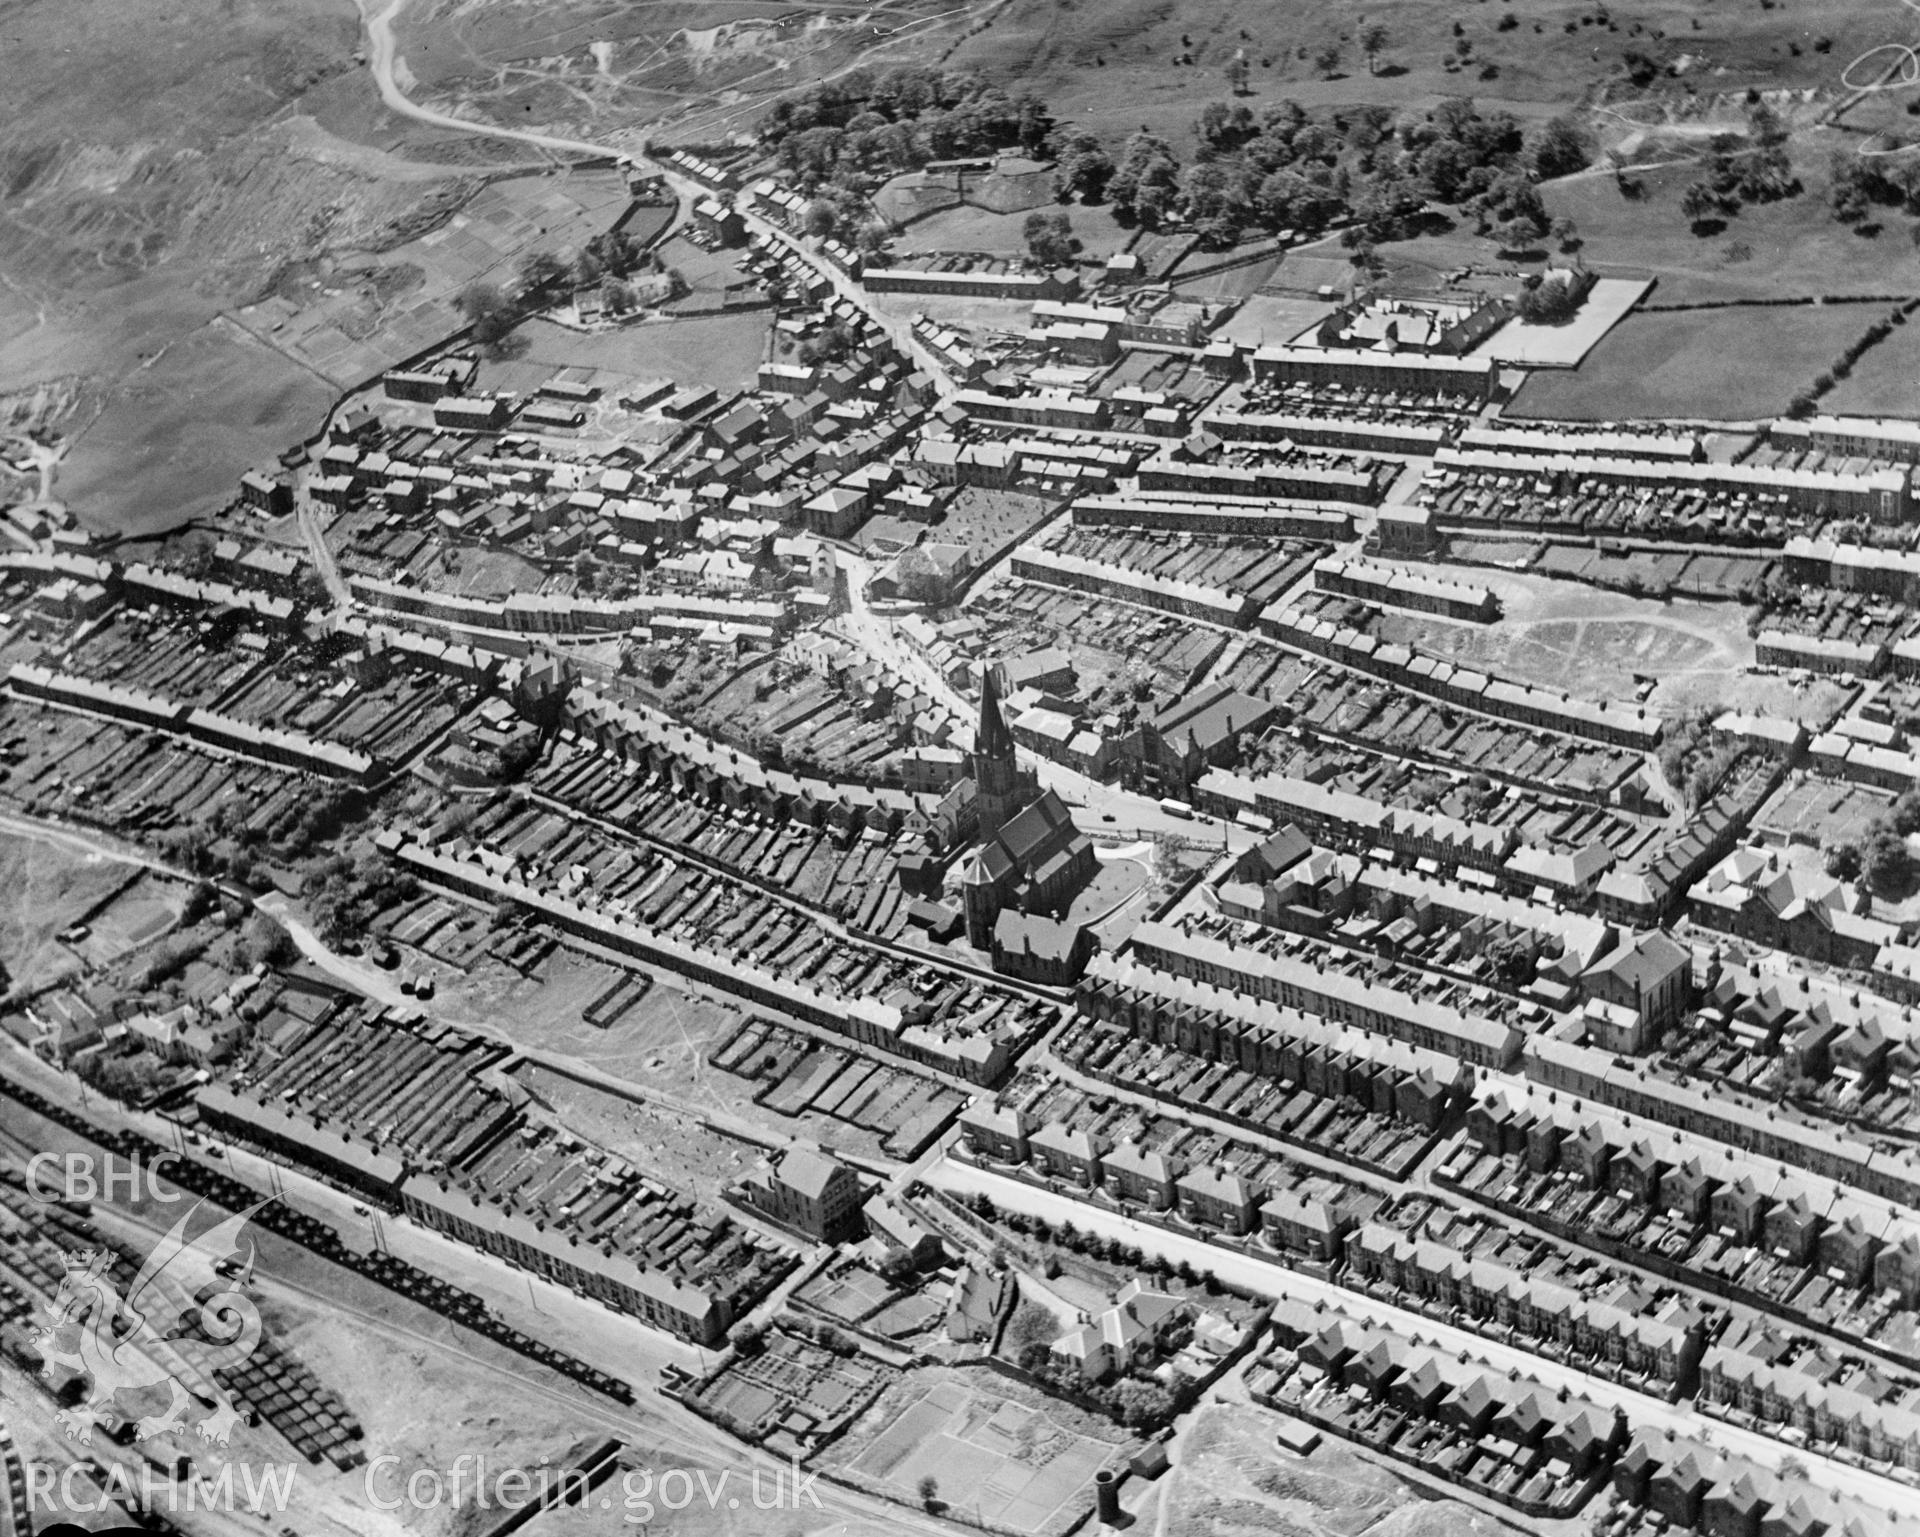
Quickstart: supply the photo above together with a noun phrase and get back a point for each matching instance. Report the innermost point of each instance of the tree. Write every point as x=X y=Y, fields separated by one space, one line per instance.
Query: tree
x=1084 y=169
x=930 y=1491
x=1764 y=125
x=1238 y=71
x=1511 y=958
x=266 y=942
x=1885 y=864
x=1142 y=1404
x=1520 y=233
x=1699 y=204
x=1548 y=304
x=541 y=271
x=1327 y=59
x=1049 y=238
x=1373 y=43
x=1566 y=233
x=617 y=296
x=1559 y=149
x=489 y=315
x=1144 y=185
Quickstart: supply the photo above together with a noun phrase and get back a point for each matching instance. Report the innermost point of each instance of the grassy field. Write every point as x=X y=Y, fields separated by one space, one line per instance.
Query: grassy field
x=1885 y=382
x=719 y=350
x=1116 y=67
x=157 y=170
x=1793 y=247
x=1567 y=635
x=1721 y=364
x=52 y=887
x=966 y=228
x=176 y=436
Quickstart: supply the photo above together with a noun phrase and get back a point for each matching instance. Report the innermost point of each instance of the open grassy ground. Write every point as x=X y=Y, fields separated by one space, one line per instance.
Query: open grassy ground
x=1231 y=1477
x=1793 y=247
x=161 y=164
x=1885 y=382
x=51 y=886
x=175 y=437
x=966 y=228
x=1113 y=66
x=1720 y=364
x=1568 y=635
x=719 y=350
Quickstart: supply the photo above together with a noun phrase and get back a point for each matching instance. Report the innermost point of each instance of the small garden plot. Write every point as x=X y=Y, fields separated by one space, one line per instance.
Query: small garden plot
x=792 y=1384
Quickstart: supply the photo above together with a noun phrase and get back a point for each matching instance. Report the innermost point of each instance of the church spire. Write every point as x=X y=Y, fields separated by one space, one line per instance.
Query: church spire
x=993 y=740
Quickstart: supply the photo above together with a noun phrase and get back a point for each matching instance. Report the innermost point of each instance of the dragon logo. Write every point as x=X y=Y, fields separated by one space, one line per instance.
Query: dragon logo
x=134 y=1345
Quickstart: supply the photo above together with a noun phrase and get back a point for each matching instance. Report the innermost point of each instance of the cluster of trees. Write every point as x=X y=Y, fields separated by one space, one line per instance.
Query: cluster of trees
x=1549 y=304
x=834 y=341
x=1288 y=170
x=1512 y=958
x=1879 y=856
x=170 y=959
x=265 y=942
x=1049 y=238
x=1860 y=182
x=345 y=895
x=1738 y=171
x=875 y=121
x=1696 y=759
x=1109 y=1251
x=132 y=1078
x=490 y=316
x=608 y=259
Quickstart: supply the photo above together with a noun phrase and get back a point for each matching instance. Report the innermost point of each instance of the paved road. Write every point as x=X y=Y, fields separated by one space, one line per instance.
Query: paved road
x=1273 y=1280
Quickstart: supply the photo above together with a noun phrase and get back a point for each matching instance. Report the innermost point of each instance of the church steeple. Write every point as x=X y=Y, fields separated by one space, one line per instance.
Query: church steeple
x=993 y=740
x=995 y=767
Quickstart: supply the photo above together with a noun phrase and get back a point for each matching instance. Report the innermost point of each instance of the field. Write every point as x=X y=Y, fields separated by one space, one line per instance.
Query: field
x=1720 y=364
x=663 y=1043
x=346 y=334
x=149 y=189
x=1885 y=382
x=1020 y=1465
x=53 y=887
x=665 y=1144
x=1791 y=248
x=967 y=228
x=174 y=440
x=1120 y=66
x=1229 y=1476
x=1567 y=635
x=723 y=351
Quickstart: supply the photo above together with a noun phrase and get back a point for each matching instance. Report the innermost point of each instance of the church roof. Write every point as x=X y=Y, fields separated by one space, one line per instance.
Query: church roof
x=1044 y=827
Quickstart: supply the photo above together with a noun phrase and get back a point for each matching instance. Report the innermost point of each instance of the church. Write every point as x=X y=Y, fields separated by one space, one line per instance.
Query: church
x=1031 y=857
